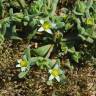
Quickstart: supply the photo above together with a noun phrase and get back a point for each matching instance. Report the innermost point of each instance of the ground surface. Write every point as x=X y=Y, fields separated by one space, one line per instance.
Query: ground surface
x=80 y=82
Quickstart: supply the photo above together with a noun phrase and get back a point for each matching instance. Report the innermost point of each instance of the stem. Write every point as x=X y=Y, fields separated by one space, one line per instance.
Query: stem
x=49 y=52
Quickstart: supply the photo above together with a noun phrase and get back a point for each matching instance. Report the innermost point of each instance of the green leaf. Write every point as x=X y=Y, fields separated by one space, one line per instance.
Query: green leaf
x=89 y=4
x=27 y=53
x=11 y=13
x=22 y=4
x=60 y=24
x=16 y=38
x=68 y=26
x=76 y=56
x=82 y=37
x=64 y=49
x=32 y=34
x=54 y=5
x=71 y=50
x=34 y=60
x=42 y=51
x=22 y=74
x=81 y=6
x=44 y=63
x=90 y=40
x=1 y=7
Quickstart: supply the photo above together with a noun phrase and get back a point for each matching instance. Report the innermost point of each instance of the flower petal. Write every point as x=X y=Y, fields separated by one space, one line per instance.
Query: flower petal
x=49 y=31
x=50 y=71
x=58 y=78
x=19 y=60
x=18 y=65
x=61 y=71
x=56 y=66
x=51 y=77
x=23 y=68
x=41 y=29
x=53 y=25
x=42 y=21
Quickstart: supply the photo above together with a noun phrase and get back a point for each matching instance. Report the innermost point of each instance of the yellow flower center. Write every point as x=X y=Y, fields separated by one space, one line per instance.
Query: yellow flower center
x=55 y=72
x=46 y=25
x=23 y=63
x=89 y=21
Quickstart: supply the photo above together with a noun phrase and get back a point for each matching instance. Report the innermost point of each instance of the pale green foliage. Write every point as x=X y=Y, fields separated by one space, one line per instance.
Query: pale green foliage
x=74 y=26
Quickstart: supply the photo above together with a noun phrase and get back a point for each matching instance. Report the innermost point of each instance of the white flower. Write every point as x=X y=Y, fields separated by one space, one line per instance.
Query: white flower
x=46 y=26
x=23 y=64
x=55 y=73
